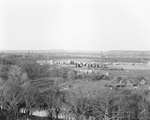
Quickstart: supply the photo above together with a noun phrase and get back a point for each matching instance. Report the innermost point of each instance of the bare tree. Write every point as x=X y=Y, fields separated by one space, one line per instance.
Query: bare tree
x=106 y=105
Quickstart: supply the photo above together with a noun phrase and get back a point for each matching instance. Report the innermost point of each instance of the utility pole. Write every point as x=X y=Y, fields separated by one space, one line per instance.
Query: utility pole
x=101 y=56
x=142 y=56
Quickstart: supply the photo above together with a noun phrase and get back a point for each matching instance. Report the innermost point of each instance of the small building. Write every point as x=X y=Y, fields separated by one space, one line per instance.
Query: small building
x=85 y=71
x=128 y=82
x=142 y=82
x=148 y=63
x=78 y=65
x=39 y=113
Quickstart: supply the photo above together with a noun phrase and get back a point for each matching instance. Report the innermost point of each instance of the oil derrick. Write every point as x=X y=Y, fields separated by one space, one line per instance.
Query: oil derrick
x=102 y=57
x=142 y=56
x=103 y=65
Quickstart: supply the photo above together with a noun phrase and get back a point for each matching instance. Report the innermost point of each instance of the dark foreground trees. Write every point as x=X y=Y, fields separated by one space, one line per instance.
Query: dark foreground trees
x=82 y=103
x=11 y=91
x=109 y=104
x=20 y=92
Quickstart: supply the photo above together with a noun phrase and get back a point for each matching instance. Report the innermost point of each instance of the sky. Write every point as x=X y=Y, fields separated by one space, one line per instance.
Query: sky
x=96 y=25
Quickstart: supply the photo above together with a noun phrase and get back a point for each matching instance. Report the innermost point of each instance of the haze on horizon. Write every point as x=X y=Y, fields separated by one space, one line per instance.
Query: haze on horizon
x=97 y=25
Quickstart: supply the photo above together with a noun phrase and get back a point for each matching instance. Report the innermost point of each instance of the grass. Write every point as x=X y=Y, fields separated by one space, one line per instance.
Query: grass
x=131 y=67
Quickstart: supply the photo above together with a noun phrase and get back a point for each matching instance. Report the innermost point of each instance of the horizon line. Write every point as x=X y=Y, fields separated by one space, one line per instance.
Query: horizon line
x=64 y=50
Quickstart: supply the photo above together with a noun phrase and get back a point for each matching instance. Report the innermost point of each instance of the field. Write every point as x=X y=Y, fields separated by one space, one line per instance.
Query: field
x=115 y=70
x=133 y=67
x=131 y=72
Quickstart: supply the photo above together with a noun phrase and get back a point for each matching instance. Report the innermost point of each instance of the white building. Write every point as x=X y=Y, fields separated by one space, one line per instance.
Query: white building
x=148 y=63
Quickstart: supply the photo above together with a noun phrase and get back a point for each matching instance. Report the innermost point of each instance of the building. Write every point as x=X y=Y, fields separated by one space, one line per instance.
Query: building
x=148 y=63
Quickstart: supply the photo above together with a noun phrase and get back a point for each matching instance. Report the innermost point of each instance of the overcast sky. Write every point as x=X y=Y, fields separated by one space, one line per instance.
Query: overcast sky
x=75 y=24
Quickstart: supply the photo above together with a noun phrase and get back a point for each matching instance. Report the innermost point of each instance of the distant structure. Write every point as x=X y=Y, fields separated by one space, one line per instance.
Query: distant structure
x=28 y=53
x=142 y=55
x=102 y=57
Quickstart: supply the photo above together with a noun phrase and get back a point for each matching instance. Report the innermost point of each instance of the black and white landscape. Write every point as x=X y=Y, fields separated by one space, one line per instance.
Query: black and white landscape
x=74 y=60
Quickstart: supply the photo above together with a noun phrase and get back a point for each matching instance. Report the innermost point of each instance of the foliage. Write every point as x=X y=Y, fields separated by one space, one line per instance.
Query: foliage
x=10 y=60
x=33 y=69
x=4 y=72
x=25 y=83
x=11 y=92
